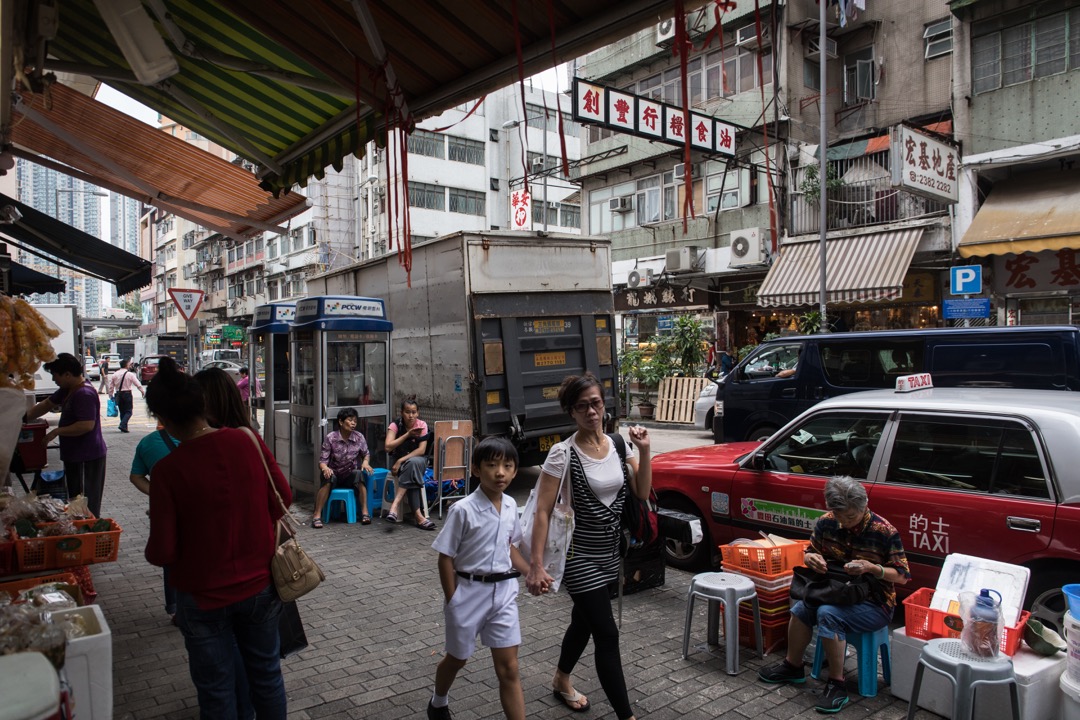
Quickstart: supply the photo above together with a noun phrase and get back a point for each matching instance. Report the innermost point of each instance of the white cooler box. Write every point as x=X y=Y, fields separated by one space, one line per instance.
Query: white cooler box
x=1037 y=679
x=88 y=665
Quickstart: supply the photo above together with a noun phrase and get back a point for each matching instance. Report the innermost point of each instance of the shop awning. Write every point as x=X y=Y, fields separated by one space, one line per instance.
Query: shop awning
x=148 y=164
x=26 y=281
x=47 y=237
x=1027 y=213
x=860 y=268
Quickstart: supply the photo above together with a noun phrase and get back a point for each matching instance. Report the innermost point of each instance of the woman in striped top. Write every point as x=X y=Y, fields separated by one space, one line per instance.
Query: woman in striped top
x=599 y=486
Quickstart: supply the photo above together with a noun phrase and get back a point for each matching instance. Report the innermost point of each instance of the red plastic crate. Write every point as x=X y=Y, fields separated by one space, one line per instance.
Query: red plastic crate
x=14 y=587
x=766 y=561
x=7 y=557
x=924 y=622
x=773 y=632
x=51 y=553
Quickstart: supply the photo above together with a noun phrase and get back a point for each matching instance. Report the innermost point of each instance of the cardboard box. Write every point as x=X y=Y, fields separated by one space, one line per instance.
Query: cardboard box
x=88 y=665
x=1037 y=679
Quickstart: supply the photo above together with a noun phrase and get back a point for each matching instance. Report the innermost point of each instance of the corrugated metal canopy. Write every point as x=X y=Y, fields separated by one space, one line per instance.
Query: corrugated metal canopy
x=148 y=164
x=1027 y=213
x=860 y=268
x=442 y=53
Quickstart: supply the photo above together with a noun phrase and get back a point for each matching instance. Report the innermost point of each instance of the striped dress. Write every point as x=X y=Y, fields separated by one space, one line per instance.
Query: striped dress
x=593 y=560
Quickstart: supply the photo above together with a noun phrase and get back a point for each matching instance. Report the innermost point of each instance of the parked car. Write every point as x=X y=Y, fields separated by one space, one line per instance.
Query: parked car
x=148 y=367
x=232 y=368
x=704 y=407
x=984 y=472
x=91 y=371
x=113 y=358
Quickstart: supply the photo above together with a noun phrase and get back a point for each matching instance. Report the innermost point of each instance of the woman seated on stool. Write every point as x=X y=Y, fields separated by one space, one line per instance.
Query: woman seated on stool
x=343 y=463
x=407 y=442
x=867 y=543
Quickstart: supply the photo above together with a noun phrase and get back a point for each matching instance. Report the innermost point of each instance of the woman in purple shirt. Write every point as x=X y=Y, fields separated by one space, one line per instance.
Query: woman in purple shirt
x=343 y=463
x=82 y=449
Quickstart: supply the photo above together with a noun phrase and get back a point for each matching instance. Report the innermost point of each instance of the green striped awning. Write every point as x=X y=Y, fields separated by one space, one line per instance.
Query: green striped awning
x=265 y=117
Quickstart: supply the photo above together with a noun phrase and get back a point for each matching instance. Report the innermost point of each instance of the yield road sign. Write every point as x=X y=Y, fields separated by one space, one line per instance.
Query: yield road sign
x=965 y=279
x=187 y=301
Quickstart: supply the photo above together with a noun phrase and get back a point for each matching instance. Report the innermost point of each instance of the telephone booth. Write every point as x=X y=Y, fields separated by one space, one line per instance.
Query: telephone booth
x=340 y=357
x=268 y=363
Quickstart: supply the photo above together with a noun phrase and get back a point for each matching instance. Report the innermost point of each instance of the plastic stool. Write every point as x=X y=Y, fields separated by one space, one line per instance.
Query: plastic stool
x=375 y=483
x=866 y=646
x=966 y=671
x=345 y=495
x=729 y=590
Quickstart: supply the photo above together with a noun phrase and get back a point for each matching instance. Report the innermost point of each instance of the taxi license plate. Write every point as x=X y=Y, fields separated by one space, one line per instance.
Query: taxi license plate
x=546 y=441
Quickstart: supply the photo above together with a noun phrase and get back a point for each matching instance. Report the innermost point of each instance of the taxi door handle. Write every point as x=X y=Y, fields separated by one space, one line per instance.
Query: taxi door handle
x=1023 y=524
x=787 y=393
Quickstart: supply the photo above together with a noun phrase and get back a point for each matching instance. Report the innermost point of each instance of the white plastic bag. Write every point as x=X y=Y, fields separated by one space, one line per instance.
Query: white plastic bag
x=560 y=534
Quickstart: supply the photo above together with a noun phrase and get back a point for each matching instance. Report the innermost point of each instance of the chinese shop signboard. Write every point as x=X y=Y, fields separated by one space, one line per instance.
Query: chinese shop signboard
x=521 y=210
x=924 y=165
x=649 y=119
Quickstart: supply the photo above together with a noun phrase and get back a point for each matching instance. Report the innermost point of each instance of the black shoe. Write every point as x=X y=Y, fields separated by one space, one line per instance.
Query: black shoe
x=438 y=713
x=833 y=697
x=782 y=672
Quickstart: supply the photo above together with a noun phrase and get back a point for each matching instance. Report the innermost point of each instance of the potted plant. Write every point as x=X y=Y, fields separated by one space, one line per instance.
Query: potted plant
x=646 y=369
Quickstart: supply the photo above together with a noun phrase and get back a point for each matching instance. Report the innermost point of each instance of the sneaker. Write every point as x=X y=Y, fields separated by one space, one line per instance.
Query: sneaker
x=833 y=697
x=438 y=713
x=782 y=672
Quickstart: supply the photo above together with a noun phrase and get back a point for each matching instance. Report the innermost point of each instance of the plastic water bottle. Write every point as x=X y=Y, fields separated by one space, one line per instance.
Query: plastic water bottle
x=985 y=622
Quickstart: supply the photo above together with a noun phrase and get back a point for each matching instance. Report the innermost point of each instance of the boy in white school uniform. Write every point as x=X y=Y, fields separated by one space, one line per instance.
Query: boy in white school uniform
x=478 y=567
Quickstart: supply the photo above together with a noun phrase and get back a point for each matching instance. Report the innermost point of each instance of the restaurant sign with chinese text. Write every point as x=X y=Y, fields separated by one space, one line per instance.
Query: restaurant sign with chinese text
x=521 y=210
x=1037 y=273
x=924 y=165
x=659 y=297
x=649 y=119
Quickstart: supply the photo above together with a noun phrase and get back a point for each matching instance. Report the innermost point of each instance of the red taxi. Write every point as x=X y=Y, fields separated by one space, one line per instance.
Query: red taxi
x=985 y=472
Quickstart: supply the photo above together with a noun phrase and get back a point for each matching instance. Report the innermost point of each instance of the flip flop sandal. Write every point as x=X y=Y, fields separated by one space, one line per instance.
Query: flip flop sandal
x=571 y=697
x=316 y=523
x=365 y=519
x=392 y=518
x=426 y=525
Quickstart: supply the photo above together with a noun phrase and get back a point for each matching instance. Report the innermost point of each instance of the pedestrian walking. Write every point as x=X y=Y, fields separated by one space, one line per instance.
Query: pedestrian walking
x=103 y=380
x=478 y=567
x=121 y=387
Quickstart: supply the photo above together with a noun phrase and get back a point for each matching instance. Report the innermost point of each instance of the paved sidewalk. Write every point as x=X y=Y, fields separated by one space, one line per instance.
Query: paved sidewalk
x=376 y=631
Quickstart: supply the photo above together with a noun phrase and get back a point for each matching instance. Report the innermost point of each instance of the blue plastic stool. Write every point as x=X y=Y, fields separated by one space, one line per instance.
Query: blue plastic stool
x=345 y=495
x=866 y=648
x=375 y=483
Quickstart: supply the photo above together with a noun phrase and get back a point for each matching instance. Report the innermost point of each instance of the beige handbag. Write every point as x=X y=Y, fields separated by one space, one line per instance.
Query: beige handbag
x=295 y=573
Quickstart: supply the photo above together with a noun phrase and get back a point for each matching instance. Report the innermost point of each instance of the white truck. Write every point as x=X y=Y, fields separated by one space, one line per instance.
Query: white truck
x=491 y=324
x=66 y=318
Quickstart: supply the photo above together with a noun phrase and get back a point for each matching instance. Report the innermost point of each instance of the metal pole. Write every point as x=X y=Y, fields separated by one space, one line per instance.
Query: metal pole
x=823 y=166
x=544 y=150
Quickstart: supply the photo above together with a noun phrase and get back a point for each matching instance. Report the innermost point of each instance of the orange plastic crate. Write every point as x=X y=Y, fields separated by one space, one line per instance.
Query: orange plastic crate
x=14 y=587
x=50 y=553
x=764 y=583
x=924 y=622
x=767 y=561
x=773 y=632
x=7 y=557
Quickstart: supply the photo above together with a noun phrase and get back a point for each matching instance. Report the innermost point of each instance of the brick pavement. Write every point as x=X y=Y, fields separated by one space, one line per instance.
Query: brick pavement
x=376 y=631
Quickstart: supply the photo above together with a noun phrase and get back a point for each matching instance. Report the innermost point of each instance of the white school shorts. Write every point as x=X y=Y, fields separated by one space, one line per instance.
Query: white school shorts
x=485 y=609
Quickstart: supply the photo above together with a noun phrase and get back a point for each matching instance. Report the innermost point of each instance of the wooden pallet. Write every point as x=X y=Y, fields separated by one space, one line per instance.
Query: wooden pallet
x=677 y=397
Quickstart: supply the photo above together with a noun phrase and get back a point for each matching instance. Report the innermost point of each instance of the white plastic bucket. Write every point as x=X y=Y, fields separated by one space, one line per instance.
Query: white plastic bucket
x=1072 y=637
x=1070 y=704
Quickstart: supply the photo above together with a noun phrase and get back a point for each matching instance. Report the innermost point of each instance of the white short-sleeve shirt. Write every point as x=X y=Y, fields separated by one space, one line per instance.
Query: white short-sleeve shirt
x=478 y=536
x=605 y=476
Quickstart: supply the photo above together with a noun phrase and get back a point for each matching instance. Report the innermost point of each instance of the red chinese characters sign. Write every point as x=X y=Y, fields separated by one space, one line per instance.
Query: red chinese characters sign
x=925 y=165
x=1037 y=272
x=520 y=210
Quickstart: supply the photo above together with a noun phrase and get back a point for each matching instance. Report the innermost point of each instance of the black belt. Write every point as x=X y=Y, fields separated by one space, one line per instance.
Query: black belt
x=497 y=577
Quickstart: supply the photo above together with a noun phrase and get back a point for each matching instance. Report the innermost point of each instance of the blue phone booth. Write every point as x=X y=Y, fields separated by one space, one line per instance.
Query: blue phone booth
x=268 y=362
x=340 y=357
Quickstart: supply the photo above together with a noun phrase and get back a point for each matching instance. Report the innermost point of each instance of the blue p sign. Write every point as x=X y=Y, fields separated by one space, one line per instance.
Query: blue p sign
x=965 y=280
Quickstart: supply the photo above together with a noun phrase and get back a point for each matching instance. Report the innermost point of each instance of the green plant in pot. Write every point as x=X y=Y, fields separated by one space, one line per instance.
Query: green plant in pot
x=646 y=369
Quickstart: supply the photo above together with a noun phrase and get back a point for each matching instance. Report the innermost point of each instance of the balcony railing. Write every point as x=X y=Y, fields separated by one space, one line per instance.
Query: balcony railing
x=862 y=195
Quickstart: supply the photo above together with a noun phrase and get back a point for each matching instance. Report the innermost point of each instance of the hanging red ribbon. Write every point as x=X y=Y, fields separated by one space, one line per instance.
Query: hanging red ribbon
x=682 y=48
x=558 y=100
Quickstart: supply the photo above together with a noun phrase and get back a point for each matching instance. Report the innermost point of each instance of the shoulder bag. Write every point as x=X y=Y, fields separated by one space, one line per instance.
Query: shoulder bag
x=561 y=525
x=834 y=587
x=639 y=519
x=295 y=573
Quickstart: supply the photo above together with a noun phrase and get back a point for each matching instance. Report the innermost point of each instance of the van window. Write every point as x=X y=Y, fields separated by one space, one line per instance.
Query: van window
x=987 y=456
x=226 y=354
x=875 y=365
x=768 y=361
x=1026 y=365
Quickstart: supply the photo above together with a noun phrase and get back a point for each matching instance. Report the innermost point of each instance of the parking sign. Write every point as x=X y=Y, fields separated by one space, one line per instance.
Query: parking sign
x=965 y=280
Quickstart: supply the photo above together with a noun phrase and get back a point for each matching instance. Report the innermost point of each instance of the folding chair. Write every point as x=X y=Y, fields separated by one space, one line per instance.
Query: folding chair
x=453 y=458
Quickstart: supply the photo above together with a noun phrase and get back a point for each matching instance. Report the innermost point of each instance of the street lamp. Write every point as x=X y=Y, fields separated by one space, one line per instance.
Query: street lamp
x=509 y=124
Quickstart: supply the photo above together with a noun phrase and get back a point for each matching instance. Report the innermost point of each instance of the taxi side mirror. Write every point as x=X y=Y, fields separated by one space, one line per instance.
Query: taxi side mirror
x=758 y=460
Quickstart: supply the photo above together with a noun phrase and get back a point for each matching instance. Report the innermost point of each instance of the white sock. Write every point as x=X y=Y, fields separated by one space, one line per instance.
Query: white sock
x=440 y=701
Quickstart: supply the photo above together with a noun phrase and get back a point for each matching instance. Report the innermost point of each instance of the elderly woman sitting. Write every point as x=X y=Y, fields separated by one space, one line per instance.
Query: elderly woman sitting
x=867 y=543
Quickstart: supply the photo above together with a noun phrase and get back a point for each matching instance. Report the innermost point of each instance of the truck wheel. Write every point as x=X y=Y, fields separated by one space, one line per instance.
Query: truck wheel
x=685 y=556
x=761 y=434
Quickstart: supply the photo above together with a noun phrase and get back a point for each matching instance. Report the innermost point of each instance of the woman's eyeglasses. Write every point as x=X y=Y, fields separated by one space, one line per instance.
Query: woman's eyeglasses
x=583 y=407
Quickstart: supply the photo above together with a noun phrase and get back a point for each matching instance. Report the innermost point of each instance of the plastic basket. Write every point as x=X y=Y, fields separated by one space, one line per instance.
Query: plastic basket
x=764 y=583
x=50 y=553
x=768 y=561
x=773 y=632
x=14 y=587
x=924 y=622
x=7 y=557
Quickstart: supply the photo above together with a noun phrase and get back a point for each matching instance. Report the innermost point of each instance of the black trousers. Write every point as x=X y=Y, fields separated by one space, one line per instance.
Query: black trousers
x=592 y=617
x=86 y=478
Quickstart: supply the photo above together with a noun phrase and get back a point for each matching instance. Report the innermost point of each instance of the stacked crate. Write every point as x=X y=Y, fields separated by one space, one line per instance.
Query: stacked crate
x=770 y=570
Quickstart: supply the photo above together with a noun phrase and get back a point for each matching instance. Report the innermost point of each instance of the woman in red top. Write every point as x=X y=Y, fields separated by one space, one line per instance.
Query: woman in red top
x=212 y=515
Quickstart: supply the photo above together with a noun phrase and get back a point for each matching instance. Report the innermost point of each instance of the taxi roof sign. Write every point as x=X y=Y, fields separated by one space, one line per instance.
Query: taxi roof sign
x=910 y=383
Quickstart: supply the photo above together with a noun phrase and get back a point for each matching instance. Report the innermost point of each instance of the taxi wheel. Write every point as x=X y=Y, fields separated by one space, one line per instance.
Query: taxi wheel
x=685 y=556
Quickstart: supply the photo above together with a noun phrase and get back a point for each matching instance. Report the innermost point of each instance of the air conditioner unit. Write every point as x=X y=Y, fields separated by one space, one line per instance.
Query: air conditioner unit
x=538 y=163
x=639 y=278
x=621 y=204
x=746 y=247
x=683 y=260
x=747 y=37
x=665 y=32
x=813 y=51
